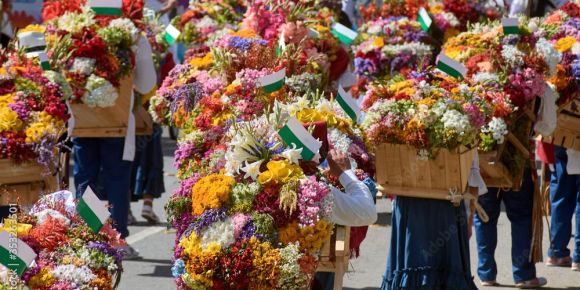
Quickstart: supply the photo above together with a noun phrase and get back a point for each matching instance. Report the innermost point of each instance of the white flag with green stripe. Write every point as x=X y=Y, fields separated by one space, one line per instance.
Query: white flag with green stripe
x=15 y=254
x=43 y=58
x=171 y=34
x=343 y=33
x=107 y=7
x=424 y=19
x=272 y=82
x=348 y=104
x=451 y=66
x=511 y=26
x=293 y=133
x=32 y=42
x=93 y=210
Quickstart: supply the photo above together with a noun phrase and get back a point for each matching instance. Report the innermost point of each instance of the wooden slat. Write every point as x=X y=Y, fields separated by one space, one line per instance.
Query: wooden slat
x=114 y=117
x=11 y=173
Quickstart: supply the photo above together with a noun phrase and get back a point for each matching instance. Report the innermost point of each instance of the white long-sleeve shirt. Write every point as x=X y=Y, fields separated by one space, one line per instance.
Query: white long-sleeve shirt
x=355 y=207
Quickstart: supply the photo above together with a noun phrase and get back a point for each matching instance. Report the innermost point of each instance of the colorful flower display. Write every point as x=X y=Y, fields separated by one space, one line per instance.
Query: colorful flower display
x=431 y=111
x=69 y=254
x=561 y=29
x=94 y=52
x=32 y=110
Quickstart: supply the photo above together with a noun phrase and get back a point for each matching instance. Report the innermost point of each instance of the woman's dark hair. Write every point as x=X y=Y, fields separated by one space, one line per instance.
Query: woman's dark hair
x=4 y=39
x=344 y=20
x=540 y=7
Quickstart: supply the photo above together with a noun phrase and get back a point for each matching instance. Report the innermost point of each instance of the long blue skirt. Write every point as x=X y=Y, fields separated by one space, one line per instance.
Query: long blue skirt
x=429 y=247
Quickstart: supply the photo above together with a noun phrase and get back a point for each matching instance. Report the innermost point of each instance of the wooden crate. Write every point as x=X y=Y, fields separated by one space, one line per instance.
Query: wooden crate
x=335 y=255
x=111 y=121
x=494 y=173
x=401 y=172
x=567 y=133
x=23 y=183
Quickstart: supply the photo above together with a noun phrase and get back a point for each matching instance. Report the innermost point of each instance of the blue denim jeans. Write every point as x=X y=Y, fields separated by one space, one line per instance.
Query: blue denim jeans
x=94 y=156
x=565 y=200
x=518 y=207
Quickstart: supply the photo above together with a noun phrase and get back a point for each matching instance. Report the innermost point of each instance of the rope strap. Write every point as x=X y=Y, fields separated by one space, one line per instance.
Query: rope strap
x=456 y=198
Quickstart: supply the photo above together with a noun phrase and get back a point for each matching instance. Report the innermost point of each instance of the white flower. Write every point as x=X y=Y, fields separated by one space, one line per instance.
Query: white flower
x=533 y=24
x=576 y=48
x=498 y=129
x=75 y=22
x=83 y=65
x=71 y=273
x=482 y=77
x=512 y=54
x=43 y=215
x=126 y=25
x=324 y=105
x=293 y=155
x=221 y=233
x=454 y=120
x=99 y=92
x=551 y=56
x=252 y=169
x=339 y=141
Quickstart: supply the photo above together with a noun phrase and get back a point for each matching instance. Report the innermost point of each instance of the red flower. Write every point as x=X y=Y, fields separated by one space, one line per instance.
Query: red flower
x=55 y=8
x=571 y=9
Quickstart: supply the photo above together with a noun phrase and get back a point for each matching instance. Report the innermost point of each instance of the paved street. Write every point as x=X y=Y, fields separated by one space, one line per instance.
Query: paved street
x=155 y=245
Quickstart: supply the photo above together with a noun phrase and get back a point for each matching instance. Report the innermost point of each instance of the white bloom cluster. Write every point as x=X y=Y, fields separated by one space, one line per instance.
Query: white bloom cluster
x=75 y=22
x=339 y=141
x=71 y=273
x=454 y=120
x=415 y=48
x=551 y=56
x=43 y=215
x=221 y=233
x=576 y=48
x=99 y=92
x=512 y=54
x=498 y=129
x=83 y=65
x=126 y=25
x=482 y=77
x=451 y=18
x=206 y=22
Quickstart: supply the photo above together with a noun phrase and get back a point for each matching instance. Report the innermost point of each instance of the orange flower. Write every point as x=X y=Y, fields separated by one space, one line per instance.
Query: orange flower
x=211 y=191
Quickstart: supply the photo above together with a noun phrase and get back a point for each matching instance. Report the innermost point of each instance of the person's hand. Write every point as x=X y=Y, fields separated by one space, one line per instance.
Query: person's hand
x=338 y=162
x=169 y=4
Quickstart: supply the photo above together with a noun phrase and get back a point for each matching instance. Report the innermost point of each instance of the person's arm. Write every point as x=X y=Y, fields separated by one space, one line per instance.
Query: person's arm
x=355 y=207
x=475 y=179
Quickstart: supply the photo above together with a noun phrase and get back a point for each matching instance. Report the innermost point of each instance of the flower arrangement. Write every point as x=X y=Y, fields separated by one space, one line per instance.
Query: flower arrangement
x=69 y=254
x=94 y=52
x=391 y=46
x=431 y=111
x=203 y=20
x=561 y=29
x=250 y=212
x=32 y=111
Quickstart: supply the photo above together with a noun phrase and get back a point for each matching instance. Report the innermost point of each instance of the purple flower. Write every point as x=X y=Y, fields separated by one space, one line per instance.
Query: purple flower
x=206 y=219
x=21 y=109
x=109 y=251
x=186 y=96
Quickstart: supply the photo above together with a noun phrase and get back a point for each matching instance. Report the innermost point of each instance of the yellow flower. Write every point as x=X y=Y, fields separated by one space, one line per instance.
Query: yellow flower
x=202 y=62
x=9 y=120
x=42 y=280
x=44 y=124
x=378 y=42
x=33 y=28
x=245 y=33
x=6 y=99
x=405 y=86
x=436 y=8
x=190 y=244
x=10 y=225
x=564 y=44
x=279 y=170
x=321 y=28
